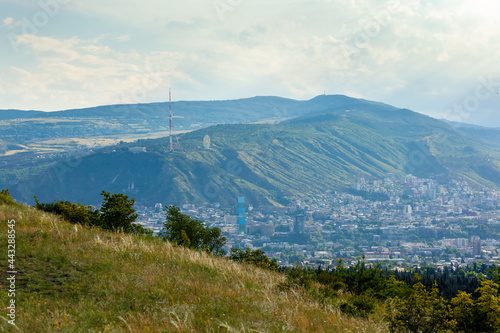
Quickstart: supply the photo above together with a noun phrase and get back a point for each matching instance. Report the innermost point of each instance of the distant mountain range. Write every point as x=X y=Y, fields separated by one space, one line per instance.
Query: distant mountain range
x=292 y=148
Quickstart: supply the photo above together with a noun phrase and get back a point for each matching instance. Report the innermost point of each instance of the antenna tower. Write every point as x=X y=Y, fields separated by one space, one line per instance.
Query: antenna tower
x=171 y=119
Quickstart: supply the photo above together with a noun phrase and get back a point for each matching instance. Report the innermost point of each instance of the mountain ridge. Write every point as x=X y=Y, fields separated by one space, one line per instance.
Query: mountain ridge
x=318 y=152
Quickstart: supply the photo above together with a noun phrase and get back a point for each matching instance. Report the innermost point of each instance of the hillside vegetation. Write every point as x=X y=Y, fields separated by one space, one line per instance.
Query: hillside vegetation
x=265 y=163
x=79 y=279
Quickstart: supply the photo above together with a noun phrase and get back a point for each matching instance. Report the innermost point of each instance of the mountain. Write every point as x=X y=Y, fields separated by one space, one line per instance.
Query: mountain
x=19 y=114
x=118 y=121
x=489 y=136
x=338 y=140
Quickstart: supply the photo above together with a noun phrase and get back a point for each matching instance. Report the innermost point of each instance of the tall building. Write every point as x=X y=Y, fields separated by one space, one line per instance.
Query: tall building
x=476 y=246
x=298 y=225
x=242 y=224
x=407 y=210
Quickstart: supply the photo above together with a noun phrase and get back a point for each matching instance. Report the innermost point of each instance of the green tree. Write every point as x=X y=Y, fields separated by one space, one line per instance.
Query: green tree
x=183 y=230
x=117 y=212
x=463 y=308
x=487 y=308
x=421 y=312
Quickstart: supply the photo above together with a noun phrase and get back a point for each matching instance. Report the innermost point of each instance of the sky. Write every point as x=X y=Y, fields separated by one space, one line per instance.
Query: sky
x=438 y=57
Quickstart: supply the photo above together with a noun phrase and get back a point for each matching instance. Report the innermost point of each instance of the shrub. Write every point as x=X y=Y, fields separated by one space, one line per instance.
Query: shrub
x=117 y=213
x=75 y=213
x=183 y=230
x=359 y=305
x=256 y=257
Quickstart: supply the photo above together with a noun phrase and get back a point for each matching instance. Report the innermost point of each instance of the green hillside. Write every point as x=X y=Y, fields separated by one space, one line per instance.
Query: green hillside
x=267 y=162
x=76 y=279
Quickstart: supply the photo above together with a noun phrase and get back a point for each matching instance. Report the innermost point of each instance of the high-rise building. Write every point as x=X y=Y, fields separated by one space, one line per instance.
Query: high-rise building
x=476 y=246
x=242 y=224
x=298 y=226
x=407 y=210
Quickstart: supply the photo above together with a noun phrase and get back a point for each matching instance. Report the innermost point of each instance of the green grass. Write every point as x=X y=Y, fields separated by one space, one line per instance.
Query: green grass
x=76 y=279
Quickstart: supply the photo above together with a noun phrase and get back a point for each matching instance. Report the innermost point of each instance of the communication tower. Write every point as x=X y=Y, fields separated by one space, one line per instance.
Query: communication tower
x=171 y=120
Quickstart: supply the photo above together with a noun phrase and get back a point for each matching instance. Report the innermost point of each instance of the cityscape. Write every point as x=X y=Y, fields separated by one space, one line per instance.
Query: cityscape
x=400 y=222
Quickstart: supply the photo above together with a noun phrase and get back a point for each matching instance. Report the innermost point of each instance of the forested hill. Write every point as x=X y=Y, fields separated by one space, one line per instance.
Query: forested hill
x=265 y=163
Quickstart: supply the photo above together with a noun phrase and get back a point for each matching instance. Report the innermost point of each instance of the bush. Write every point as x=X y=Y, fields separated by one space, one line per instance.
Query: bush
x=256 y=257
x=348 y=309
x=75 y=213
x=117 y=213
x=183 y=230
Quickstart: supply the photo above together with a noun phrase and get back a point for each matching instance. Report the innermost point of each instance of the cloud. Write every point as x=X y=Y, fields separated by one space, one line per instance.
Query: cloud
x=72 y=73
x=8 y=21
x=124 y=38
x=417 y=54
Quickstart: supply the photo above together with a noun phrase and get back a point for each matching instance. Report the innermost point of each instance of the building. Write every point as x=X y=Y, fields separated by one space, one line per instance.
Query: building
x=242 y=225
x=137 y=150
x=476 y=246
x=298 y=225
x=407 y=210
x=261 y=228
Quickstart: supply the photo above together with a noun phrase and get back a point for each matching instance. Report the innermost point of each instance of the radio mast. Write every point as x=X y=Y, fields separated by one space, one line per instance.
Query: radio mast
x=170 y=117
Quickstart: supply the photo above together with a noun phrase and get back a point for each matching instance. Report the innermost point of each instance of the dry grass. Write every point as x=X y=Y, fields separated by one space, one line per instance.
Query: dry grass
x=77 y=279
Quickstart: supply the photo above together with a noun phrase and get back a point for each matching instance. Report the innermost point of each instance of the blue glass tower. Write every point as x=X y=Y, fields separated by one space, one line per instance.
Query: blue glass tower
x=242 y=224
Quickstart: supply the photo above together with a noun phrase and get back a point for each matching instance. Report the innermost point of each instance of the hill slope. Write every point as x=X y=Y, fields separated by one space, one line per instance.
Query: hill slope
x=121 y=121
x=71 y=278
x=266 y=162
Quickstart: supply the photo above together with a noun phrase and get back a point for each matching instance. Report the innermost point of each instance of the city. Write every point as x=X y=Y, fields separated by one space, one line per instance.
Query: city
x=399 y=222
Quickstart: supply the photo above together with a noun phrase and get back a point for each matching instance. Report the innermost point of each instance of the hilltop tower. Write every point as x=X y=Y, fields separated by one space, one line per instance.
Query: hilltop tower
x=171 y=121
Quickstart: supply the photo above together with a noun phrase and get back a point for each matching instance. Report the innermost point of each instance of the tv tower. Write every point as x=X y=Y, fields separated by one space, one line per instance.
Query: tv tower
x=171 y=119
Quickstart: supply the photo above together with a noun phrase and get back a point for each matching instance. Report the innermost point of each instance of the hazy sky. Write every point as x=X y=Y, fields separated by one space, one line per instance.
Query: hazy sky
x=437 y=57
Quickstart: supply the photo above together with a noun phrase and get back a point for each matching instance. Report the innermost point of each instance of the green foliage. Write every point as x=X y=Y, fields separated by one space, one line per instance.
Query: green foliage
x=359 y=305
x=487 y=308
x=463 y=307
x=256 y=257
x=360 y=279
x=421 y=312
x=75 y=213
x=395 y=288
x=116 y=214
x=367 y=285
x=183 y=230
x=299 y=277
x=5 y=197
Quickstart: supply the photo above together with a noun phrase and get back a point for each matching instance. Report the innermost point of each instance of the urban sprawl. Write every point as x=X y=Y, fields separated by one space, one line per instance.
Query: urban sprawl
x=400 y=222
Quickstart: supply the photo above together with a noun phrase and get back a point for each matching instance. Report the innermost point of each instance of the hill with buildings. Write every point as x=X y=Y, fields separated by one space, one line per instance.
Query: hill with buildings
x=322 y=151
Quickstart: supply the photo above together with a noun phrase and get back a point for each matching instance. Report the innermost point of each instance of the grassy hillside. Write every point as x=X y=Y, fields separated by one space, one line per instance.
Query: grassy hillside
x=76 y=279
